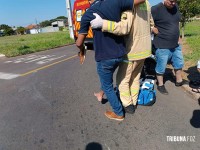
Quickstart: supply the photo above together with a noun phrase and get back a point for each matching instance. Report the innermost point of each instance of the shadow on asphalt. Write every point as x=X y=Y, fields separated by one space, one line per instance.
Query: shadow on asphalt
x=104 y=101
x=193 y=74
x=93 y=146
x=199 y=101
x=169 y=75
x=195 y=121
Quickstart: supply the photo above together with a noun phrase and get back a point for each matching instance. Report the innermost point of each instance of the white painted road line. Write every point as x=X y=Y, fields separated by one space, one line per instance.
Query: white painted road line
x=38 y=59
x=8 y=76
x=48 y=60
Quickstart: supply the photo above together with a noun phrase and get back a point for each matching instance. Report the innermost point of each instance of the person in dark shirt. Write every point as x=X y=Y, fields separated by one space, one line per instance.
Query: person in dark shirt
x=109 y=48
x=166 y=41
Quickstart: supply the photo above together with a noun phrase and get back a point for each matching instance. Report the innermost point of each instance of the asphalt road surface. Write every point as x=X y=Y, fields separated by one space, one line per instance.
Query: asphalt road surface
x=47 y=103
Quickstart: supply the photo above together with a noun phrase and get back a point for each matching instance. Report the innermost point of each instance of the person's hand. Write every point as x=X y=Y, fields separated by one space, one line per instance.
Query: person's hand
x=81 y=56
x=198 y=66
x=97 y=22
x=155 y=30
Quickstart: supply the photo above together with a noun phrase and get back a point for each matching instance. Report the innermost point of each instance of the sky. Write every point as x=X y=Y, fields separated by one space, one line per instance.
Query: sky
x=26 y=12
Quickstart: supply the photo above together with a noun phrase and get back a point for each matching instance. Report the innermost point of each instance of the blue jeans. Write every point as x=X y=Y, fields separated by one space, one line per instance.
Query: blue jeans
x=105 y=69
x=174 y=56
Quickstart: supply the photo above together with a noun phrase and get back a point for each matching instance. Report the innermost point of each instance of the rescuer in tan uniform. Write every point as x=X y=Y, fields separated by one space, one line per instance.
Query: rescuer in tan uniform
x=137 y=24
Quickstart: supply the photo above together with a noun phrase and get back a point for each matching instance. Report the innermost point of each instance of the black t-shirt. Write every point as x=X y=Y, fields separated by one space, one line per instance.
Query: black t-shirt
x=167 y=22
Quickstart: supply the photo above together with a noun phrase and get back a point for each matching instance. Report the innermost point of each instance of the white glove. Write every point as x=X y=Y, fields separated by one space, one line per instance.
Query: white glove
x=97 y=22
x=198 y=64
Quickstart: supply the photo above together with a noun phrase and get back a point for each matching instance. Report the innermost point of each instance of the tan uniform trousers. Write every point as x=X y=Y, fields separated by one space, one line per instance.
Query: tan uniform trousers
x=128 y=80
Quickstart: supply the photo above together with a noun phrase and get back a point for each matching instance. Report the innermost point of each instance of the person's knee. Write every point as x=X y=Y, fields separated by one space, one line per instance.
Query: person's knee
x=178 y=65
x=108 y=89
x=177 y=59
x=160 y=70
x=159 y=74
x=162 y=59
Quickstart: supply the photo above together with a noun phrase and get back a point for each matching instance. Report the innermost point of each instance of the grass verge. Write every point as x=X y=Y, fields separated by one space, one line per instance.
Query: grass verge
x=191 y=50
x=16 y=45
x=192 y=34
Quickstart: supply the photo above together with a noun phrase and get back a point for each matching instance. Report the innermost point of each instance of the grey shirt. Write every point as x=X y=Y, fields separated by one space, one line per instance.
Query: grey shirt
x=167 y=22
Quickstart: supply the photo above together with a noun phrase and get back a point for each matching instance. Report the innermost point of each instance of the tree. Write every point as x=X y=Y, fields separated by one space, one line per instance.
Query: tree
x=4 y=26
x=7 y=30
x=188 y=9
x=20 y=30
x=52 y=20
x=45 y=23
x=62 y=17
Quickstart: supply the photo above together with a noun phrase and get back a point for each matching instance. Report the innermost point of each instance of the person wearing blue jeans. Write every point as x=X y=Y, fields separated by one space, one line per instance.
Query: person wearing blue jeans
x=105 y=70
x=166 y=17
x=109 y=49
x=163 y=56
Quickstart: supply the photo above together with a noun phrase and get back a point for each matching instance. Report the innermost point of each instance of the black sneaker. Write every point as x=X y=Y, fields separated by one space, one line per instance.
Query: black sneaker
x=181 y=83
x=130 y=109
x=162 y=90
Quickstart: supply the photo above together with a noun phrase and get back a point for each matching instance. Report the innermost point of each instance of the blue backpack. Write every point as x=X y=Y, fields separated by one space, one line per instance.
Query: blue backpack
x=147 y=94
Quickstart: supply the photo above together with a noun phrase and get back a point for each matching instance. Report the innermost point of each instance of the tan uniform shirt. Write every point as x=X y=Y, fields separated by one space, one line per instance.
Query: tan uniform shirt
x=137 y=24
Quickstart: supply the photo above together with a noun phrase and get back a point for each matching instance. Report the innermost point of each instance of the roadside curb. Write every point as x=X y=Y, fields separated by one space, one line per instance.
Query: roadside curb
x=59 y=46
x=188 y=89
x=64 y=45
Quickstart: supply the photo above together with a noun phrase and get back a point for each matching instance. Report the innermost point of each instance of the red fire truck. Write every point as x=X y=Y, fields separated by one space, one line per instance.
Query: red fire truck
x=80 y=7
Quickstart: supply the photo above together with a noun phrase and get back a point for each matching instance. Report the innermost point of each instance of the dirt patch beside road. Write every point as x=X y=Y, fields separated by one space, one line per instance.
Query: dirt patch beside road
x=190 y=71
x=190 y=68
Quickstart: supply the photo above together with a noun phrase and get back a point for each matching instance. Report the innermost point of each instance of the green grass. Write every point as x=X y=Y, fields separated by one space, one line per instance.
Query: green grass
x=24 y=44
x=192 y=34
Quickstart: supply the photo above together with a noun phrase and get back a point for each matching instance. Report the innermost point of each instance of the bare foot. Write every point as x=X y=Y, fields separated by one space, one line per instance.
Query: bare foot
x=99 y=95
x=197 y=90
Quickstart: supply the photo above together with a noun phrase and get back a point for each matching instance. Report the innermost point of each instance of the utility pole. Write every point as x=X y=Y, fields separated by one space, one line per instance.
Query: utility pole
x=69 y=12
x=37 y=28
